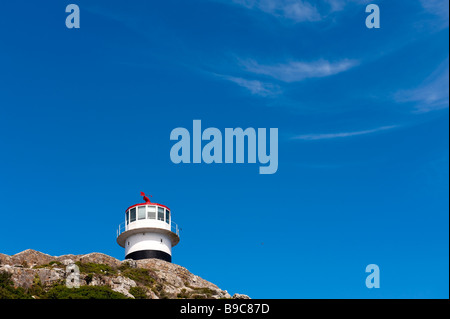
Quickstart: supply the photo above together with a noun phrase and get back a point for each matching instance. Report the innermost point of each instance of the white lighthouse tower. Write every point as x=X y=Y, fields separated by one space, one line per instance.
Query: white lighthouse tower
x=148 y=231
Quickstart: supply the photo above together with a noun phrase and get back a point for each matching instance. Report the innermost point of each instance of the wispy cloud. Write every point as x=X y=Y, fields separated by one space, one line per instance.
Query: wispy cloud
x=339 y=5
x=324 y=136
x=255 y=87
x=297 y=71
x=432 y=94
x=295 y=10
x=439 y=8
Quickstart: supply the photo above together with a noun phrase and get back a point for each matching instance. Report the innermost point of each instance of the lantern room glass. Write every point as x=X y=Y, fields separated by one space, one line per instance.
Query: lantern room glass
x=141 y=212
x=151 y=212
x=161 y=213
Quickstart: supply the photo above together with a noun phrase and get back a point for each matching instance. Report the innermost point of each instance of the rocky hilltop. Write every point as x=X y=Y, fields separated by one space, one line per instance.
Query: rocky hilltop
x=32 y=274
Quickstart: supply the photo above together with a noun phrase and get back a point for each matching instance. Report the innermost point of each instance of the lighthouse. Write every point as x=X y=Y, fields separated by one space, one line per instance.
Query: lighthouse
x=148 y=231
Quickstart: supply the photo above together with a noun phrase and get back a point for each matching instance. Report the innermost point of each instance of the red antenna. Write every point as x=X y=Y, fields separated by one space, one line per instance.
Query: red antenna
x=147 y=200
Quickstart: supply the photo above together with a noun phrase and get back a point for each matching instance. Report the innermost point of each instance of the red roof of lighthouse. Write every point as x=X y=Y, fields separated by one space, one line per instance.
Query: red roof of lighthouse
x=147 y=202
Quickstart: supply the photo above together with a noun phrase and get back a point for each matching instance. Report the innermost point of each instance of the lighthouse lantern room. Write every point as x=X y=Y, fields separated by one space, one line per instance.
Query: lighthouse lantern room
x=148 y=231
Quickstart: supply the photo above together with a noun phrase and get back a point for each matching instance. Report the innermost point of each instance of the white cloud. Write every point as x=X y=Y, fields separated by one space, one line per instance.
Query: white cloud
x=439 y=8
x=297 y=71
x=432 y=94
x=296 y=10
x=324 y=136
x=339 y=5
x=254 y=86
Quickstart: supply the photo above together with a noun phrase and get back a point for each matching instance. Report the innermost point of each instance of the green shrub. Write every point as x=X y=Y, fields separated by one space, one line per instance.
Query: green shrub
x=13 y=293
x=88 y=278
x=84 y=292
x=5 y=279
x=143 y=276
x=196 y=293
x=7 y=290
x=138 y=292
x=36 y=289
x=205 y=291
x=50 y=264
x=93 y=268
x=183 y=294
x=164 y=295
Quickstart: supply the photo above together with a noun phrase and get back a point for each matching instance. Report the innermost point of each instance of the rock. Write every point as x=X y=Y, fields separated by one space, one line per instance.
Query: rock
x=30 y=258
x=224 y=294
x=67 y=262
x=152 y=295
x=130 y=263
x=99 y=258
x=49 y=277
x=97 y=281
x=163 y=280
x=122 y=285
x=4 y=259
x=21 y=277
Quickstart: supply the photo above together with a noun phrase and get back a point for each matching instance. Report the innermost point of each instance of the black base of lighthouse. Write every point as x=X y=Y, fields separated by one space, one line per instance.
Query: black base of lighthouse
x=144 y=254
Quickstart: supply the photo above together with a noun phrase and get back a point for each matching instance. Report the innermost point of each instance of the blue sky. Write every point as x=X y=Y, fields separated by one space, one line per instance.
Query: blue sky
x=362 y=114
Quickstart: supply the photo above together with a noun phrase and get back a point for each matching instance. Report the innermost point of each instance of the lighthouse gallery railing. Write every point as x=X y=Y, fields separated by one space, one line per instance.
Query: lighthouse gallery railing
x=173 y=227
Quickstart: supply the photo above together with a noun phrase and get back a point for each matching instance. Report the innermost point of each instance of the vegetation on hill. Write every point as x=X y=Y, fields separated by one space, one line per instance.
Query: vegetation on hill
x=58 y=291
x=31 y=274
